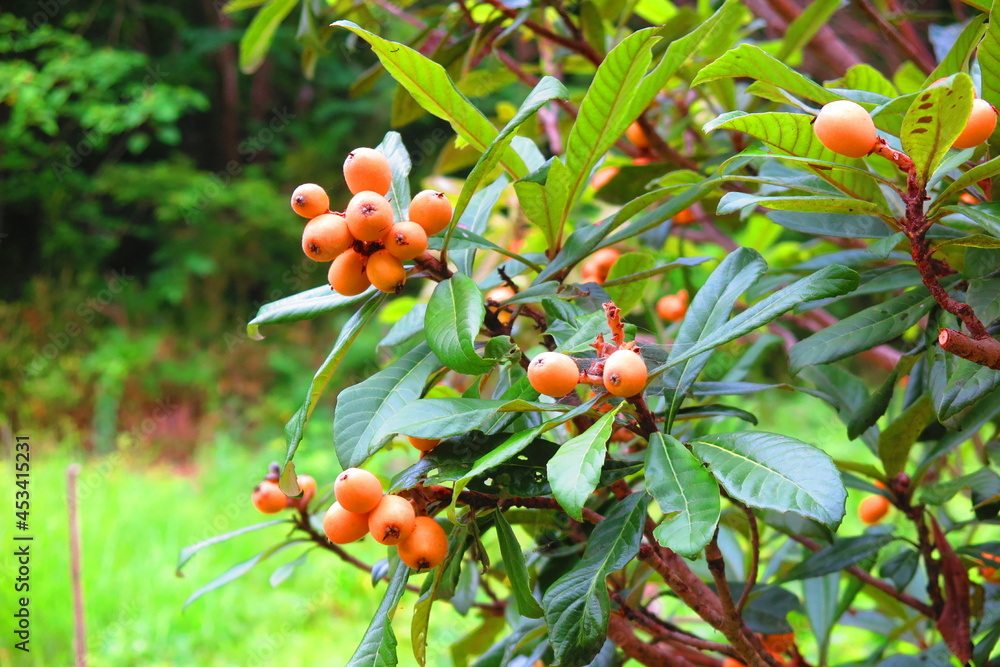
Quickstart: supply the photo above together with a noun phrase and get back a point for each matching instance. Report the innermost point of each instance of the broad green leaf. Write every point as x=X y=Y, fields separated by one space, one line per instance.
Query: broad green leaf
x=978 y=415
x=238 y=570
x=347 y=336
x=988 y=55
x=515 y=568
x=865 y=77
x=406 y=327
x=973 y=241
x=447 y=417
x=365 y=408
x=430 y=85
x=399 y=163
x=378 y=645
x=819 y=596
x=957 y=58
x=967 y=384
x=753 y=62
x=792 y=133
x=547 y=89
x=840 y=555
x=687 y=494
x=281 y=574
x=732 y=202
x=302 y=306
x=895 y=441
x=542 y=194
x=862 y=331
x=901 y=568
x=829 y=281
x=805 y=26
x=472 y=222
x=984 y=297
x=941 y=492
x=869 y=412
x=680 y=262
x=463 y=239
x=709 y=310
x=187 y=553
x=935 y=119
x=257 y=39
x=587 y=329
x=771 y=471
x=577 y=605
x=454 y=317
x=627 y=295
x=576 y=468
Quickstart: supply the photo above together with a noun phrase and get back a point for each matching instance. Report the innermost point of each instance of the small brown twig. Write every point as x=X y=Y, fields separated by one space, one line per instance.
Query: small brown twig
x=754 y=558
x=576 y=45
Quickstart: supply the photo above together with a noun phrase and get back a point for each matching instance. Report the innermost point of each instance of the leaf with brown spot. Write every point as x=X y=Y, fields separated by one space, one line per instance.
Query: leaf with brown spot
x=953 y=623
x=934 y=121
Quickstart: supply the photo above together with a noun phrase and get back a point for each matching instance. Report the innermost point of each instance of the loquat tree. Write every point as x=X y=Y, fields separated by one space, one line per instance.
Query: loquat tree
x=619 y=263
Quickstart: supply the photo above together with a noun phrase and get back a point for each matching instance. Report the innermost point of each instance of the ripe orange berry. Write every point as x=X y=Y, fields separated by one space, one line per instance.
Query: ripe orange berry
x=347 y=274
x=499 y=294
x=427 y=545
x=603 y=177
x=392 y=520
x=325 y=237
x=268 y=498
x=685 y=217
x=405 y=240
x=431 y=210
x=310 y=200
x=307 y=485
x=637 y=135
x=982 y=121
x=873 y=509
x=624 y=373
x=357 y=490
x=369 y=216
x=343 y=527
x=424 y=444
x=966 y=198
x=595 y=269
x=367 y=169
x=732 y=662
x=386 y=272
x=553 y=374
x=846 y=128
x=672 y=307
x=990 y=574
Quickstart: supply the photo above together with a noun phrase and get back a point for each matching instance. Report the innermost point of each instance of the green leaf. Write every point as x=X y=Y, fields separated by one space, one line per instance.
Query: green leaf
x=753 y=62
x=627 y=295
x=285 y=571
x=238 y=570
x=576 y=468
x=347 y=336
x=941 y=492
x=399 y=163
x=257 y=39
x=771 y=471
x=446 y=417
x=792 y=133
x=819 y=596
x=187 y=553
x=709 y=310
x=805 y=26
x=934 y=120
x=378 y=645
x=973 y=241
x=865 y=77
x=432 y=88
x=958 y=57
x=832 y=224
x=455 y=314
x=988 y=55
x=967 y=384
x=686 y=492
x=302 y=306
x=364 y=408
x=895 y=441
x=517 y=571
x=869 y=412
x=840 y=555
x=732 y=202
x=577 y=605
x=832 y=280
x=862 y=331
x=986 y=216
x=473 y=221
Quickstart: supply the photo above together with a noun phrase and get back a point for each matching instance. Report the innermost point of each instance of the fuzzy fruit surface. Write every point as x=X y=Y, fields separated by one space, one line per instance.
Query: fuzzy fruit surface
x=343 y=527
x=369 y=216
x=981 y=124
x=873 y=509
x=386 y=272
x=637 y=135
x=624 y=373
x=553 y=374
x=268 y=498
x=672 y=307
x=392 y=520
x=326 y=236
x=367 y=169
x=307 y=485
x=347 y=274
x=431 y=210
x=357 y=490
x=846 y=128
x=427 y=545
x=310 y=200
x=405 y=240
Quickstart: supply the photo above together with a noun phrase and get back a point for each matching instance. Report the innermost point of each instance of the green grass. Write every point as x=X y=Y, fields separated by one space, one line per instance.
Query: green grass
x=135 y=519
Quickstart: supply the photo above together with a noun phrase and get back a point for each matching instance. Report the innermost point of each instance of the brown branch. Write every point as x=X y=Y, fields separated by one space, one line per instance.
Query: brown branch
x=916 y=51
x=872 y=581
x=921 y=252
x=579 y=46
x=659 y=628
x=984 y=351
x=651 y=655
x=754 y=559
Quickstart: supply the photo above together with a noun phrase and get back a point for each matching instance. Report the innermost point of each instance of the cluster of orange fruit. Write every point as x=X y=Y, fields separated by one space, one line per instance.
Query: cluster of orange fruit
x=846 y=128
x=362 y=507
x=556 y=374
x=268 y=498
x=363 y=244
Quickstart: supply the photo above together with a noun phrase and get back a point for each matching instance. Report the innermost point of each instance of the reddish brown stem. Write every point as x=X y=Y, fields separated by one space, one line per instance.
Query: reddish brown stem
x=982 y=351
